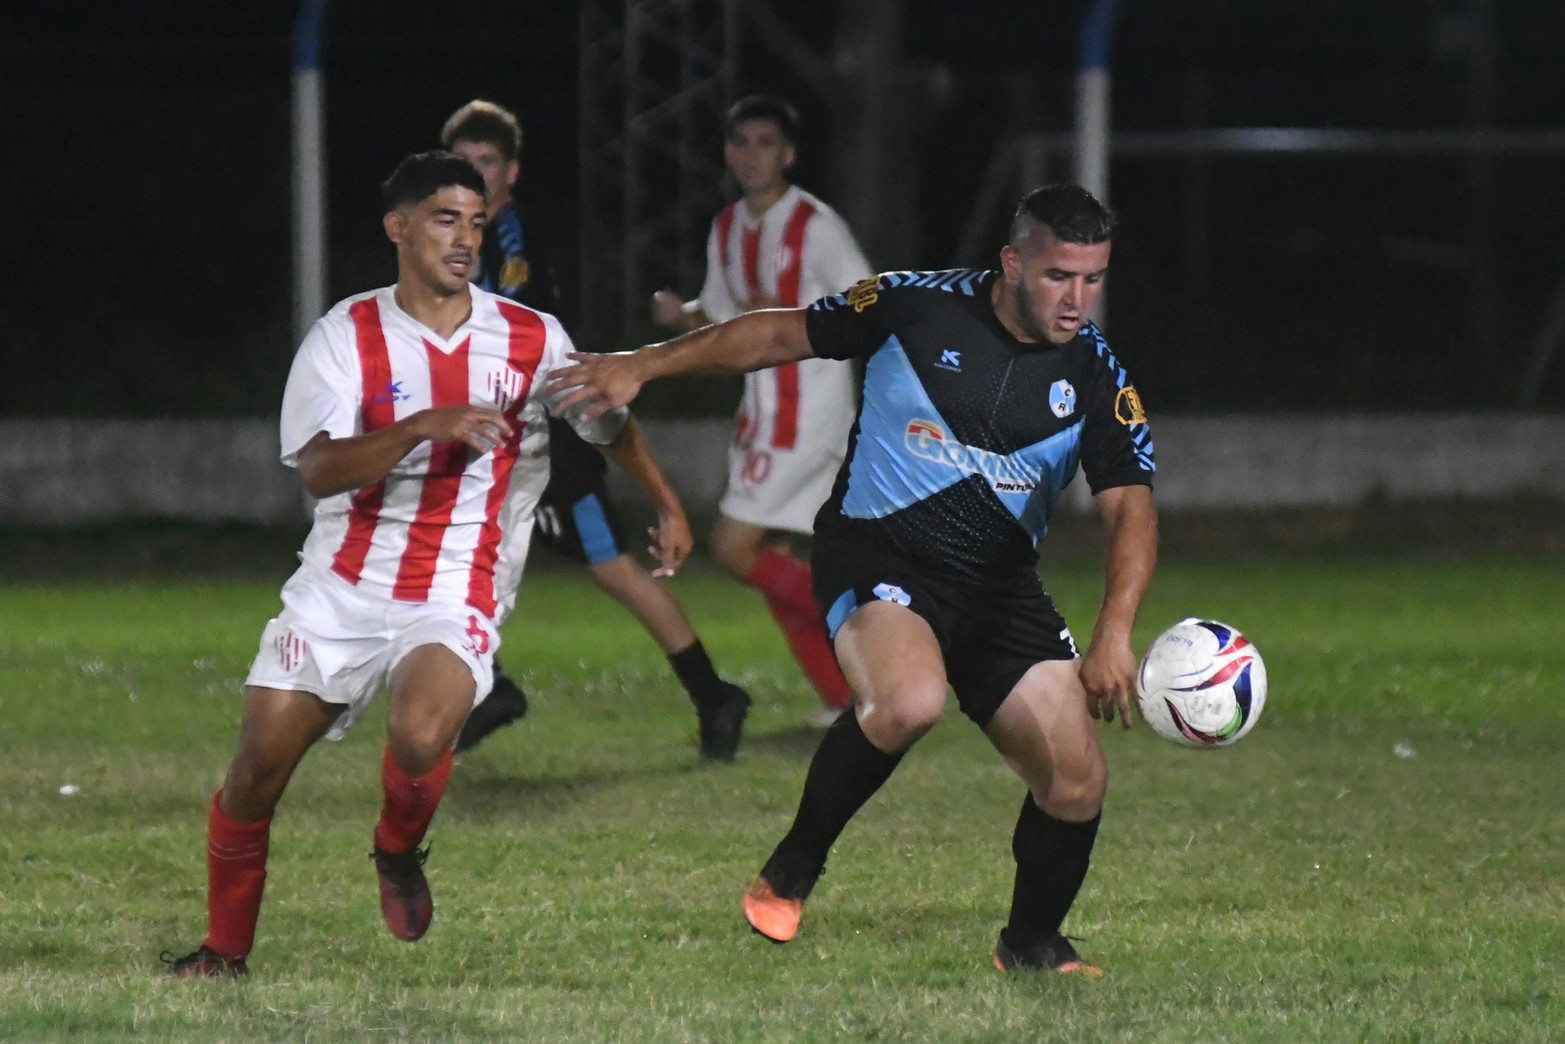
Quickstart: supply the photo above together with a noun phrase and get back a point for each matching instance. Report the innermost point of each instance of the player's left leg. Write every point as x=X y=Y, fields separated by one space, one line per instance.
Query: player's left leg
x=1044 y=732
x=721 y=706
x=432 y=690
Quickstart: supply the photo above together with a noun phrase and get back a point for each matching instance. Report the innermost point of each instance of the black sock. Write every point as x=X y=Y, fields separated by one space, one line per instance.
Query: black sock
x=846 y=770
x=1051 y=863
x=694 y=670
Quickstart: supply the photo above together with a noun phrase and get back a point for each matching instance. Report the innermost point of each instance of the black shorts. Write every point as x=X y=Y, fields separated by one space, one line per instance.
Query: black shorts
x=586 y=529
x=989 y=636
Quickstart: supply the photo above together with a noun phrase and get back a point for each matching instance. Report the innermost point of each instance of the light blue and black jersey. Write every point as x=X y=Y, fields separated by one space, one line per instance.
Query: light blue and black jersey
x=966 y=436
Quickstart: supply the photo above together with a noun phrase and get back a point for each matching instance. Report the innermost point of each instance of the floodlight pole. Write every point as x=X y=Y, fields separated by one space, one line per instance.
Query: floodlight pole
x=1091 y=165
x=309 y=170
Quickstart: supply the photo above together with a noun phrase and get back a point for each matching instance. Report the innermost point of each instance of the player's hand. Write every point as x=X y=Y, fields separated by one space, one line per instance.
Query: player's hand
x=595 y=384
x=671 y=542
x=478 y=426
x=668 y=309
x=1108 y=673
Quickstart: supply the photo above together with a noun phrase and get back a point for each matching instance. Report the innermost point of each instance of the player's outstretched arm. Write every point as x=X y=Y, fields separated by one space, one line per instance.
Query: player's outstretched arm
x=753 y=341
x=330 y=466
x=671 y=539
x=1108 y=671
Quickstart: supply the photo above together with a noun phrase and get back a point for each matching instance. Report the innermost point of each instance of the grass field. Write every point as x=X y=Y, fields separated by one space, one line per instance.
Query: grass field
x=1379 y=860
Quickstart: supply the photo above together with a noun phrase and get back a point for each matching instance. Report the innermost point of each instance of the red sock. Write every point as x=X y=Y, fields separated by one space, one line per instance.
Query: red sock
x=236 y=875
x=785 y=579
x=410 y=803
x=785 y=582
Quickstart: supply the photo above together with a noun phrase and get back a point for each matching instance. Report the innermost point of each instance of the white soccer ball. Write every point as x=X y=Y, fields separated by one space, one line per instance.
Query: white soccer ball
x=1202 y=684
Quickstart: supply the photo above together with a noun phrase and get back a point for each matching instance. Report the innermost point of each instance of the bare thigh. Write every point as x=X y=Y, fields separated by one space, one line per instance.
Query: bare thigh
x=892 y=661
x=278 y=727
x=432 y=693
x=1045 y=733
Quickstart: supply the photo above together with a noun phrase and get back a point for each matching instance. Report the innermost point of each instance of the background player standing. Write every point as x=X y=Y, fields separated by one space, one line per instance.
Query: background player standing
x=575 y=515
x=778 y=246
x=414 y=414
x=982 y=393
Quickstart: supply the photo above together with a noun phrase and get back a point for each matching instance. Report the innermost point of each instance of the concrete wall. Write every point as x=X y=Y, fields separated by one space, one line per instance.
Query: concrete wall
x=60 y=472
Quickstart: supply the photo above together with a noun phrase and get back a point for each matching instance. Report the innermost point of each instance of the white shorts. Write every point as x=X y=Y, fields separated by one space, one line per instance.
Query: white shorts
x=341 y=644
x=782 y=487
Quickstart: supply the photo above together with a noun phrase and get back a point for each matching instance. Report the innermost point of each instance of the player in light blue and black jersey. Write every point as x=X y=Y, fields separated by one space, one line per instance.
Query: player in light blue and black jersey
x=984 y=393
x=575 y=515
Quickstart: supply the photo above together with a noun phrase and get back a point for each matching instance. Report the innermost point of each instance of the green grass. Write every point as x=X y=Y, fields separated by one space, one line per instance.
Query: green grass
x=1309 y=884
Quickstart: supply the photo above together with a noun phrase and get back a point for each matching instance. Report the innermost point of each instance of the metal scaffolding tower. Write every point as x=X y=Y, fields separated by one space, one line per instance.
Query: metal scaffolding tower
x=656 y=77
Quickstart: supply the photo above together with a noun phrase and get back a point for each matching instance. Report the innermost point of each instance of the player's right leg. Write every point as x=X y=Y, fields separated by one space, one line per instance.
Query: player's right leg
x=893 y=659
x=433 y=685
x=278 y=727
x=756 y=557
x=721 y=706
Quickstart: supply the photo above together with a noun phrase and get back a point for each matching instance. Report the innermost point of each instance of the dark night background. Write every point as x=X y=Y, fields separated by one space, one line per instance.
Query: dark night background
x=147 y=173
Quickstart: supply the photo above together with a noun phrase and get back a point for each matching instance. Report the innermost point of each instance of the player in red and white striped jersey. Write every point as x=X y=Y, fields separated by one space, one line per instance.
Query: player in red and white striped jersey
x=778 y=246
x=416 y=415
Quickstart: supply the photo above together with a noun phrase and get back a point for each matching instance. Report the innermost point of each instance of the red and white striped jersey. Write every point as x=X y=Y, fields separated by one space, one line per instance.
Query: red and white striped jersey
x=446 y=524
x=796 y=252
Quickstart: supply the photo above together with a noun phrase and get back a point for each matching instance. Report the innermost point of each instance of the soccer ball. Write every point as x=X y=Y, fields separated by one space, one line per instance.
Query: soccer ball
x=1202 y=684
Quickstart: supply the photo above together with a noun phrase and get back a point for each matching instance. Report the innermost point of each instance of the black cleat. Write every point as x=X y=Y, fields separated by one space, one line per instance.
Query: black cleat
x=1054 y=954
x=204 y=963
x=405 y=901
x=505 y=703
x=722 y=722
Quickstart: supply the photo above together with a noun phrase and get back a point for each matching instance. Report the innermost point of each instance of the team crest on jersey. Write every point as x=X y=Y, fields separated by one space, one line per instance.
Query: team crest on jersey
x=1127 y=407
x=506 y=387
x=783 y=258
x=1062 y=398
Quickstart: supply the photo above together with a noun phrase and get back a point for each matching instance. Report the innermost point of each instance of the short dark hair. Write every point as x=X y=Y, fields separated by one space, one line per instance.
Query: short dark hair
x=764 y=107
x=422 y=174
x=487 y=123
x=1072 y=213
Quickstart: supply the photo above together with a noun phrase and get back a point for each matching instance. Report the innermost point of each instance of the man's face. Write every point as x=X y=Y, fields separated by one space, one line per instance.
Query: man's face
x=499 y=173
x=758 y=156
x=1055 y=283
x=437 y=239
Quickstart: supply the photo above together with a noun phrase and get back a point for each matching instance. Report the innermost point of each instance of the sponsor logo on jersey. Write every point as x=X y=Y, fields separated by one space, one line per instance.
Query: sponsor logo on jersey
x=1127 y=406
x=892 y=593
x=929 y=441
x=864 y=293
x=1062 y=398
x=950 y=359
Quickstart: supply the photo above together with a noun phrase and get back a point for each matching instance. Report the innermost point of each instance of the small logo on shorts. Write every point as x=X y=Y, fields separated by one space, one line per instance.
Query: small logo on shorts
x=892 y=593
x=950 y=359
x=1065 y=636
x=291 y=650
x=477 y=637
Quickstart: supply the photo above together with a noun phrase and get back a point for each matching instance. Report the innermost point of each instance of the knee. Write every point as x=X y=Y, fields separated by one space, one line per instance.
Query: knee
x=255 y=781
x=1077 y=789
x=895 y=720
x=733 y=556
x=419 y=741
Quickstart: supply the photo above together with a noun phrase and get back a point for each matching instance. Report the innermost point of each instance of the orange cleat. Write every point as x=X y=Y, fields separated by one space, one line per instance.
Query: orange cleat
x=770 y=914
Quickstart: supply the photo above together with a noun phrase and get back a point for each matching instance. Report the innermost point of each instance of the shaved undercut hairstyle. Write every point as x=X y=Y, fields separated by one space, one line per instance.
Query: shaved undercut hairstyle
x=422 y=174
x=764 y=107
x=1072 y=213
x=485 y=123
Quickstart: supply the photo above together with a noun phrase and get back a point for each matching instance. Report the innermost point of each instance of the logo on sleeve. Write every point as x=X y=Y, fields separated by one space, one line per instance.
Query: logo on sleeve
x=892 y=593
x=864 y=293
x=1127 y=407
x=1062 y=398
